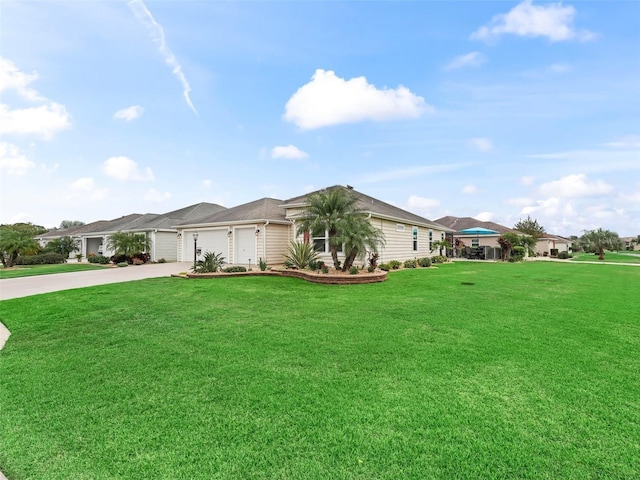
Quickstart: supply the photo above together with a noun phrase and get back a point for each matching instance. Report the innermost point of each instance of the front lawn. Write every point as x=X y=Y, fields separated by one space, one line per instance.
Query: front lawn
x=616 y=257
x=30 y=270
x=470 y=370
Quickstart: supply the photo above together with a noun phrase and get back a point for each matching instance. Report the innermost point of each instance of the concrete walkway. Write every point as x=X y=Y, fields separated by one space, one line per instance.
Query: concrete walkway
x=27 y=286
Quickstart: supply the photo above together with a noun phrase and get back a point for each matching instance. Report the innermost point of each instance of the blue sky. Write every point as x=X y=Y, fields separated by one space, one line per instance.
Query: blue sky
x=495 y=110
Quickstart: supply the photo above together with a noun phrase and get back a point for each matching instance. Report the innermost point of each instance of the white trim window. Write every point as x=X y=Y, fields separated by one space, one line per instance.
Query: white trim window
x=320 y=241
x=414 y=236
x=430 y=240
x=399 y=227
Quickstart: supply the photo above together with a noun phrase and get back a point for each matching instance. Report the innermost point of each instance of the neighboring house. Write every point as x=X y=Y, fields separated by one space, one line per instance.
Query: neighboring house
x=631 y=243
x=551 y=245
x=265 y=228
x=476 y=236
x=160 y=228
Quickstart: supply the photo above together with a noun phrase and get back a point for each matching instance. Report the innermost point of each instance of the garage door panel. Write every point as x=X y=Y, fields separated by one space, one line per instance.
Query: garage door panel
x=245 y=246
x=208 y=241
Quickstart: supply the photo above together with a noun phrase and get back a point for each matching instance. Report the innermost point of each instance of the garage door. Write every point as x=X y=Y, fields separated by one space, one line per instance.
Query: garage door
x=245 y=246
x=208 y=241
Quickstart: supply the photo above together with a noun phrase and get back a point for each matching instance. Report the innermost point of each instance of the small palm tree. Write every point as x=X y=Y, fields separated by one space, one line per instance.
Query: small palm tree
x=358 y=236
x=597 y=241
x=128 y=244
x=211 y=262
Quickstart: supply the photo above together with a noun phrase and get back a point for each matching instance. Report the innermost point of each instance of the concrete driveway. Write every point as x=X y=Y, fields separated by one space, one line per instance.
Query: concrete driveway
x=26 y=286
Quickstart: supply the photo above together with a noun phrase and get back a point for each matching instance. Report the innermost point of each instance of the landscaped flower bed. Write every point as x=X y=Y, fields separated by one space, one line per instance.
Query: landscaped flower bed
x=332 y=277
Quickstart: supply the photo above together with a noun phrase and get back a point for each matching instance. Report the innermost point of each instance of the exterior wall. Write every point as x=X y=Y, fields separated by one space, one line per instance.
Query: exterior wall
x=164 y=246
x=483 y=240
x=275 y=238
x=399 y=244
x=546 y=244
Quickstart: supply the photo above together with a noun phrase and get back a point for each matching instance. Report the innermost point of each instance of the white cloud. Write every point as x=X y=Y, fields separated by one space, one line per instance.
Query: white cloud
x=289 y=152
x=123 y=168
x=421 y=205
x=485 y=216
x=44 y=120
x=11 y=78
x=629 y=141
x=13 y=161
x=550 y=207
x=575 y=185
x=156 y=31
x=129 y=113
x=154 y=195
x=85 y=184
x=206 y=183
x=470 y=190
x=472 y=59
x=520 y=201
x=481 y=144
x=330 y=100
x=553 y=21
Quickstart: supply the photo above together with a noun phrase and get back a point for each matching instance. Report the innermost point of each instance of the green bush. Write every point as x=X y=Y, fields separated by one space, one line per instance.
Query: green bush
x=353 y=270
x=211 y=262
x=424 y=262
x=410 y=264
x=42 y=259
x=123 y=264
x=439 y=259
x=564 y=255
x=262 y=264
x=394 y=264
x=234 y=269
x=371 y=269
x=300 y=254
x=325 y=269
x=384 y=266
x=100 y=259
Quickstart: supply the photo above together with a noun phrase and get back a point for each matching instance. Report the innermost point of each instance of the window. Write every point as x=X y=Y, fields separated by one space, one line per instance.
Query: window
x=475 y=242
x=414 y=234
x=430 y=240
x=399 y=227
x=320 y=240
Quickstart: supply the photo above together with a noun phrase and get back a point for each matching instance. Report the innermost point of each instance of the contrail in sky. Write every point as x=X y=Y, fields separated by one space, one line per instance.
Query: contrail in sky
x=156 y=31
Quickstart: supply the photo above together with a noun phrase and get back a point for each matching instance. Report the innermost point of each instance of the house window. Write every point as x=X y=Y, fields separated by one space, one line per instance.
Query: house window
x=414 y=234
x=442 y=236
x=399 y=227
x=475 y=242
x=430 y=240
x=320 y=240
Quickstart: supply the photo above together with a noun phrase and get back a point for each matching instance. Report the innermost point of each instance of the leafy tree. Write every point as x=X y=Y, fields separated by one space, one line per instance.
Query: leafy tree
x=358 y=237
x=128 y=244
x=70 y=223
x=63 y=245
x=530 y=227
x=18 y=239
x=442 y=245
x=335 y=211
x=597 y=241
x=514 y=240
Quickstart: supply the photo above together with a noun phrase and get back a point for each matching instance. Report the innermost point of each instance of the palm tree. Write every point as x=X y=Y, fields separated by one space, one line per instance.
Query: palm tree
x=358 y=237
x=128 y=244
x=597 y=241
x=327 y=210
x=17 y=239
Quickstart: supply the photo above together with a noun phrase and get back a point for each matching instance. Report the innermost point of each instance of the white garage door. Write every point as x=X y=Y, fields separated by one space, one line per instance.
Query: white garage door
x=208 y=241
x=245 y=246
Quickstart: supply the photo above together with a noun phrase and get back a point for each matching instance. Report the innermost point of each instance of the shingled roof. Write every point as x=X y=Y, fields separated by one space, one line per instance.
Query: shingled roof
x=373 y=206
x=463 y=223
x=258 y=211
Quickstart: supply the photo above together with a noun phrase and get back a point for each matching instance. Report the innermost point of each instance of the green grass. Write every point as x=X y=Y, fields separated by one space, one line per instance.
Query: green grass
x=28 y=271
x=466 y=371
x=615 y=257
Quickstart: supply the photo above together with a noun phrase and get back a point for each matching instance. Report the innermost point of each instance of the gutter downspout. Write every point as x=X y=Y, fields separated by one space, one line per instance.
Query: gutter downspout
x=264 y=241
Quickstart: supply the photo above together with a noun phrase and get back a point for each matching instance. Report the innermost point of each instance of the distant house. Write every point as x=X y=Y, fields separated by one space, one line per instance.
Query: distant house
x=479 y=239
x=160 y=228
x=264 y=228
x=631 y=243
x=551 y=245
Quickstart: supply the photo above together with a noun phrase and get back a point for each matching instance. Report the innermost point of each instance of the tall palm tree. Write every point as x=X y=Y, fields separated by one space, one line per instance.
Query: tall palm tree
x=597 y=241
x=336 y=211
x=128 y=244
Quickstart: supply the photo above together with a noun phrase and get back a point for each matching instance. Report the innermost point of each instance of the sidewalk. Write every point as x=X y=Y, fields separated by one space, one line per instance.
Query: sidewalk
x=37 y=284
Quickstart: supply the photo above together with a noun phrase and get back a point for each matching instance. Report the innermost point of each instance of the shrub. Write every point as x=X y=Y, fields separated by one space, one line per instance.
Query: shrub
x=137 y=261
x=410 y=264
x=424 y=262
x=371 y=269
x=120 y=259
x=384 y=266
x=325 y=269
x=373 y=260
x=439 y=259
x=263 y=264
x=313 y=265
x=234 y=269
x=300 y=254
x=353 y=270
x=101 y=259
x=123 y=264
x=394 y=264
x=554 y=252
x=211 y=262
x=42 y=259
x=141 y=257
x=564 y=255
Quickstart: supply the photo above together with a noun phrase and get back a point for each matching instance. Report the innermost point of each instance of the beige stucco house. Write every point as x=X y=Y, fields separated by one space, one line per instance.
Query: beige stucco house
x=551 y=245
